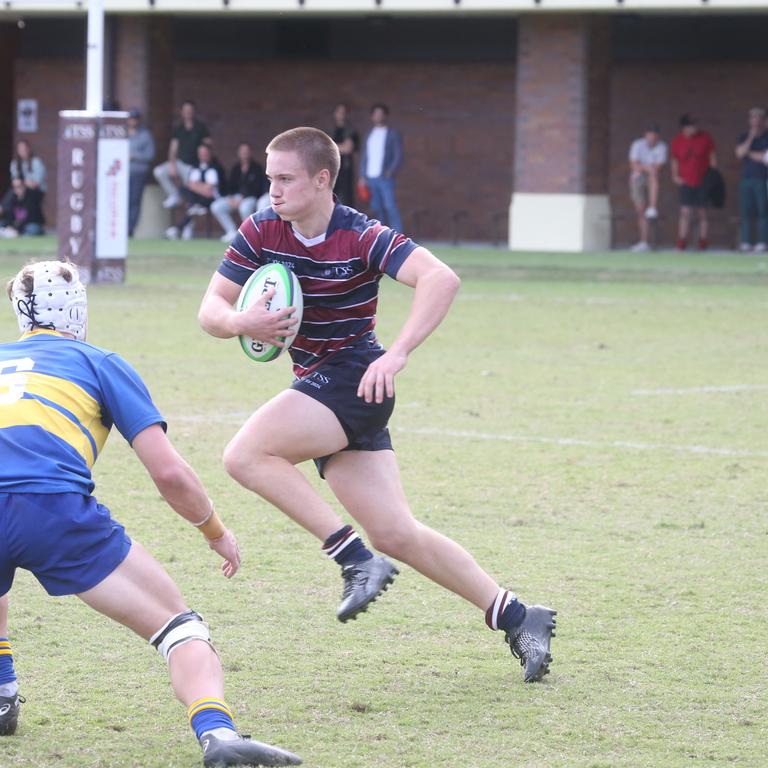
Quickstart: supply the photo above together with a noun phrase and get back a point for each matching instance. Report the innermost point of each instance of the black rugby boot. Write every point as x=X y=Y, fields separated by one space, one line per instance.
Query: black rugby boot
x=9 y=713
x=363 y=583
x=530 y=642
x=218 y=753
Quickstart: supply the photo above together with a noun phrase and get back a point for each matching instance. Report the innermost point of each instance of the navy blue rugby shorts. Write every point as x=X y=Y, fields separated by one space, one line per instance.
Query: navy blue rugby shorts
x=68 y=541
x=334 y=384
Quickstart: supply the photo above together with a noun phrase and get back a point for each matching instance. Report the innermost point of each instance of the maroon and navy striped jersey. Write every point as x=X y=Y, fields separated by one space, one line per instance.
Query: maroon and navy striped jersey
x=339 y=276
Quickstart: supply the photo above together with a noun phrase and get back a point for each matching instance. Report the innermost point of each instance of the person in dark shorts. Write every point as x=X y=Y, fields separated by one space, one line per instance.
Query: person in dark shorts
x=337 y=409
x=693 y=154
x=59 y=398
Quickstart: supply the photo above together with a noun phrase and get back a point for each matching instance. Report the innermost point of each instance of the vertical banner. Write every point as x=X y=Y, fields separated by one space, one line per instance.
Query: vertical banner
x=76 y=209
x=92 y=220
x=112 y=199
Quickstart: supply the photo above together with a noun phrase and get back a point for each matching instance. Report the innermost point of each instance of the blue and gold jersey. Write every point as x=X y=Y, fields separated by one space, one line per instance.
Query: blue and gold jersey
x=58 y=400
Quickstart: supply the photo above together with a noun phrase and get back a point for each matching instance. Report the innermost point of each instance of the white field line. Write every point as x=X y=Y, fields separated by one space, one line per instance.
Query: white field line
x=702 y=390
x=574 y=441
x=239 y=417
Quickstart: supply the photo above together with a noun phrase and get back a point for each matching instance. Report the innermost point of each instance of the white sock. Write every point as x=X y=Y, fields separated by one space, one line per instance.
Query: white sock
x=9 y=689
x=224 y=734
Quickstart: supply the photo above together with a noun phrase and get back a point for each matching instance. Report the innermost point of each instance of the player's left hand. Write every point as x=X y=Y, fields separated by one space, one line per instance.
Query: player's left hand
x=379 y=379
x=226 y=546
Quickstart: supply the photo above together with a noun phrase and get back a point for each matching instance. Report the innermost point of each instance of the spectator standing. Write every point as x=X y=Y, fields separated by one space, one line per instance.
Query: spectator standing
x=21 y=210
x=28 y=167
x=646 y=157
x=693 y=154
x=201 y=189
x=248 y=192
x=382 y=157
x=142 y=152
x=187 y=136
x=347 y=140
x=753 y=195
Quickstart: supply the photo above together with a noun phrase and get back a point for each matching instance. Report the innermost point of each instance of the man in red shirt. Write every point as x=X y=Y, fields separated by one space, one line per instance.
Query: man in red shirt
x=693 y=154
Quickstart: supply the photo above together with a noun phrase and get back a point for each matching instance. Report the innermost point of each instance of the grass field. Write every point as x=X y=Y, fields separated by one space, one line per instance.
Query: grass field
x=592 y=427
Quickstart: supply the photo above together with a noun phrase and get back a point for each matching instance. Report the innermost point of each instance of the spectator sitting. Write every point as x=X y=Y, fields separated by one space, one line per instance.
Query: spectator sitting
x=21 y=211
x=201 y=189
x=248 y=192
x=187 y=136
x=28 y=167
x=142 y=151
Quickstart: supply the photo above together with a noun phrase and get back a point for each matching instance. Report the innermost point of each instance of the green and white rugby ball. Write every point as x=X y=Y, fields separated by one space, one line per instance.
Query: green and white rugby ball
x=287 y=294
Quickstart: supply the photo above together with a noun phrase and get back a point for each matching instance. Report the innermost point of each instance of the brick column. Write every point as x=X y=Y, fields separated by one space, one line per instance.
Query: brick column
x=560 y=198
x=131 y=62
x=143 y=72
x=8 y=40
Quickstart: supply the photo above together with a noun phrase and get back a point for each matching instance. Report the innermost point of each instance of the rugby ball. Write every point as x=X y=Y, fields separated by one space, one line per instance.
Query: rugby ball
x=287 y=294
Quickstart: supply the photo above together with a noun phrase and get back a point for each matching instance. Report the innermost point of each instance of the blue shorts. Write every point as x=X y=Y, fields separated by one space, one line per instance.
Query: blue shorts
x=334 y=384
x=68 y=541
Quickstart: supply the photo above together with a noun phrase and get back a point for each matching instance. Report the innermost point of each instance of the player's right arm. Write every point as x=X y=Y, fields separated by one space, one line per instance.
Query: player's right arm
x=183 y=490
x=219 y=318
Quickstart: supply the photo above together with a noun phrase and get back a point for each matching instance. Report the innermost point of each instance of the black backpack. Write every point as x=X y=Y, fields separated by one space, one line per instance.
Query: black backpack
x=714 y=187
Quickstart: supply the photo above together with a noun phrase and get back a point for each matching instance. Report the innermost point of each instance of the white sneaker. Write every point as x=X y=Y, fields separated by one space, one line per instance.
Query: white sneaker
x=8 y=232
x=760 y=248
x=171 y=201
x=640 y=247
x=197 y=210
x=188 y=232
x=746 y=247
x=651 y=213
x=172 y=233
x=228 y=237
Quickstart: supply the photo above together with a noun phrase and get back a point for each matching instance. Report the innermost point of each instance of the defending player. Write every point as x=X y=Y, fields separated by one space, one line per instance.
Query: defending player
x=337 y=409
x=59 y=397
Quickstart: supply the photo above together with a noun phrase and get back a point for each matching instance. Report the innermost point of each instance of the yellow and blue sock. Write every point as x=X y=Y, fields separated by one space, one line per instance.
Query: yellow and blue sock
x=208 y=715
x=7 y=673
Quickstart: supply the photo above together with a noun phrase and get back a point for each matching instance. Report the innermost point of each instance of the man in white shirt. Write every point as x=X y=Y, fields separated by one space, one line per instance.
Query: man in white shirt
x=381 y=159
x=646 y=157
x=199 y=191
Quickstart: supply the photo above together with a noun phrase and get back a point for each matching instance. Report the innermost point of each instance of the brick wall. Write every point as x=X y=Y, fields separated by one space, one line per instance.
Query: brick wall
x=457 y=121
x=563 y=91
x=599 y=54
x=131 y=62
x=718 y=93
x=550 y=104
x=57 y=84
x=8 y=36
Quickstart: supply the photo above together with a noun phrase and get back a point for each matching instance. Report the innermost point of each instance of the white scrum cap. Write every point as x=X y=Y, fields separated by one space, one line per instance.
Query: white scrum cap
x=49 y=295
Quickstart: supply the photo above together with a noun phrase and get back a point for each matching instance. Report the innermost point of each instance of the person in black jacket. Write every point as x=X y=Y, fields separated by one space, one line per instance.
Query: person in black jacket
x=347 y=140
x=21 y=211
x=248 y=191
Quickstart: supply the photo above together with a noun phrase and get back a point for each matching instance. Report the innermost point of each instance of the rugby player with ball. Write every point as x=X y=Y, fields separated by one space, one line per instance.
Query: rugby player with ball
x=336 y=410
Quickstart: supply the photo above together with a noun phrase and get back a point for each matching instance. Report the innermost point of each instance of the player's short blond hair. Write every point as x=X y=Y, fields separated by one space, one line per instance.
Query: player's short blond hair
x=317 y=150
